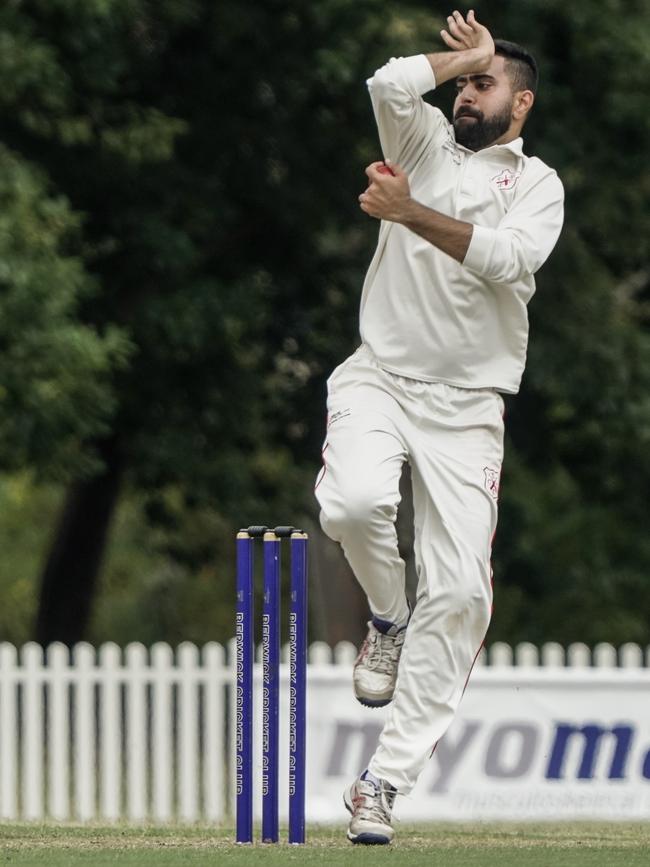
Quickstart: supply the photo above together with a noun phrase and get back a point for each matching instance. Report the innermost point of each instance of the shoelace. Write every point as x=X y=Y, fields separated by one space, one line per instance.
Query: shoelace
x=383 y=651
x=371 y=802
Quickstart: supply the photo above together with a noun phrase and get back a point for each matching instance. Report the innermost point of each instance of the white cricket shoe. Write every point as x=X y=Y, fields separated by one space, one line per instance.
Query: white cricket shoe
x=375 y=670
x=370 y=801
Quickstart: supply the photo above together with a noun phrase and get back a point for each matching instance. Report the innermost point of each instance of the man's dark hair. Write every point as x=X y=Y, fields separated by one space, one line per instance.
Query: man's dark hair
x=521 y=66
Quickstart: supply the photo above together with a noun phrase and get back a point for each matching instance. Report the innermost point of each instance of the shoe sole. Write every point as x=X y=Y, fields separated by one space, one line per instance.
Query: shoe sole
x=374 y=702
x=369 y=839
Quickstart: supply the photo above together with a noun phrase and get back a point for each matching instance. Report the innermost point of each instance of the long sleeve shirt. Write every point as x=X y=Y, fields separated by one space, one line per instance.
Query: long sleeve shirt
x=423 y=314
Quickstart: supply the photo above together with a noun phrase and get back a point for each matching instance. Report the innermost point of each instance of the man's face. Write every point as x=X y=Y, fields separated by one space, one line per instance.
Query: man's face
x=483 y=107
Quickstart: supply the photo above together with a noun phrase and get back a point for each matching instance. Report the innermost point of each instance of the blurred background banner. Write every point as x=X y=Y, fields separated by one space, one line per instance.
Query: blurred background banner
x=181 y=258
x=525 y=745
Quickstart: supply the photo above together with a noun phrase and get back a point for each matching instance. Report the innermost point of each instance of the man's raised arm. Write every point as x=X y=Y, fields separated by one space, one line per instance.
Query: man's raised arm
x=472 y=48
x=407 y=125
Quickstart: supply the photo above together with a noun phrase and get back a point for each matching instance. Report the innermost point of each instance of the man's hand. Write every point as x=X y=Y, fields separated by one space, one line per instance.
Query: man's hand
x=469 y=36
x=388 y=196
x=472 y=48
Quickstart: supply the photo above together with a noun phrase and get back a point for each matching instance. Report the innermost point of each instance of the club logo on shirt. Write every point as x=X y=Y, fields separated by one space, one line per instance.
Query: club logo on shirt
x=506 y=180
x=491 y=482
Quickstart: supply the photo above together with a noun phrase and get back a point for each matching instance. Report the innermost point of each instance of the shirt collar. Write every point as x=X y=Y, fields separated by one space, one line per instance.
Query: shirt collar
x=515 y=146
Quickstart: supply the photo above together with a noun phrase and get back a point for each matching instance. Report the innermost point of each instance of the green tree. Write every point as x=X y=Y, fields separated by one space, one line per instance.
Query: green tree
x=208 y=158
x=212 y=189
x=55 y=371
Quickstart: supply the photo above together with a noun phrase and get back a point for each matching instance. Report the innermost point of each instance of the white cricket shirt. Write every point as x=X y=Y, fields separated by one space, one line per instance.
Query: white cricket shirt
x=423 y=314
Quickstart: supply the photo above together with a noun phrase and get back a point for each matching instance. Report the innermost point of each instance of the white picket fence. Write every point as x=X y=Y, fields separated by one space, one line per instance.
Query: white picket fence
x=145 y=734
x=106 y=735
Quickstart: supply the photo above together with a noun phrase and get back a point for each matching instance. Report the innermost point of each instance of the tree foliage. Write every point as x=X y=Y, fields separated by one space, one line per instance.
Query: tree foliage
x=55 y=371
x=181 y=256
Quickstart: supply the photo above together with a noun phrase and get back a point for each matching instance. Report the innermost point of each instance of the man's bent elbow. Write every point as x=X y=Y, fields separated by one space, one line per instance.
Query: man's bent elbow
x=499 y=259
x=384 y=85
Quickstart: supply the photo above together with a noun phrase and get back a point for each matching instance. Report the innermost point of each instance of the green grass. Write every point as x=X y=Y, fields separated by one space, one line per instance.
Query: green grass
x=480 y=845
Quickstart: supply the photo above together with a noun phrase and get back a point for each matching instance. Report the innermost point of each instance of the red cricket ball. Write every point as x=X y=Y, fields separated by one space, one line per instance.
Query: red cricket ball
x=385 y=170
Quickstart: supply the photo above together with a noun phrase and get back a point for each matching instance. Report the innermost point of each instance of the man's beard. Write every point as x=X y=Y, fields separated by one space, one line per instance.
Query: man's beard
x=479 y=133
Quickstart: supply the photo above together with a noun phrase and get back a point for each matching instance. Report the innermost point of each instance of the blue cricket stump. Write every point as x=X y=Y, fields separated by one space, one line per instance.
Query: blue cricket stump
x=298 y=610
x=244 y=688
x=270 y=688
x=297 y=687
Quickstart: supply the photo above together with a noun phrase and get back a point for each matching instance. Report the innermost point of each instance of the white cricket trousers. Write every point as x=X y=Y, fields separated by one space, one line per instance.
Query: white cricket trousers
x=453 y=441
